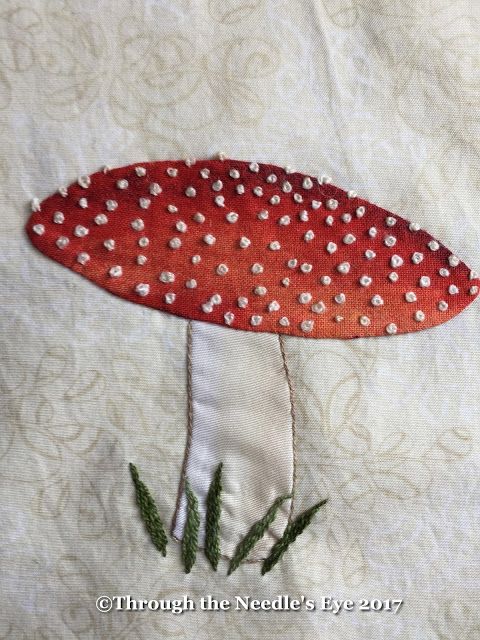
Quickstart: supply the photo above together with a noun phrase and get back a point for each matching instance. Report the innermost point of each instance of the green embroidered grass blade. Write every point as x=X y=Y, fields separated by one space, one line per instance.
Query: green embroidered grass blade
x=190 y=532
x=149 y=512
x=212 y=523
x=255 y=534
x=292 y=530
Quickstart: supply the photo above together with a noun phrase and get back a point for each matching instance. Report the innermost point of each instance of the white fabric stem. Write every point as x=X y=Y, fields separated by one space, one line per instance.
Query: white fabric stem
x=241 y=415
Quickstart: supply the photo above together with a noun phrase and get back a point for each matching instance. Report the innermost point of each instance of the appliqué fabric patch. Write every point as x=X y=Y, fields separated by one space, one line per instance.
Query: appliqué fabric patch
x=262 y=249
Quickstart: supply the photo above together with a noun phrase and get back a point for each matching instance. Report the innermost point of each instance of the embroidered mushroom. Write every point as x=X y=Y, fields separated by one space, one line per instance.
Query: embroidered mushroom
x=252 y=247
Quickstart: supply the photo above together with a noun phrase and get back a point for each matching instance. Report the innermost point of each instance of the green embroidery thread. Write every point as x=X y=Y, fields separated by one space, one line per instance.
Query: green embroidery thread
x=212 y=522
x=149 y=512
x=292 y=530
x=190 y=533
x=255 y=534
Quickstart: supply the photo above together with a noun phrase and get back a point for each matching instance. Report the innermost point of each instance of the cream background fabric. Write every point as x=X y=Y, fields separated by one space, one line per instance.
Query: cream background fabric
x=384 y=96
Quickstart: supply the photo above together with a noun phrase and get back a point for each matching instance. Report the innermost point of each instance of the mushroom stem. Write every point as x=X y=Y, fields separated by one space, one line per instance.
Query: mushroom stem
x=241 y=414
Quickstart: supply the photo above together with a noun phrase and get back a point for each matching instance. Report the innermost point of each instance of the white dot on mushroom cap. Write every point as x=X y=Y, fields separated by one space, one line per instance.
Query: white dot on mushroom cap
x=343 y=268
x=155 y=189
x=140 y=171
x=309 y=236
x=331 y=204
x=444 y=272
x=219 y=201
x=351 y=194
x=62 y=242
x=35 y=205
x=305 y=267
x=181 y=226
x=242 y=302
x=232 y=217
x=234 y=173
x=419 y=316
x=284 y=221
x=260 y=291
x=244 y=242
x=453 y=261
x=83 y=257
x=292 y=263
x=122 y=184
x=393 y=276
x=307 y=326
x=372 y=232
x=209 y=239
x=339 y=318
x=318 y=307
x=424 y=281
x=453 y=289
x=271 y=178
x=331 y=247
x=365 y=281
x=171 y=208
x=255 y=321
x=433 y=245
x=144 y=202
x=305 y=297
x=417 y=257
x=262 y=215
x=275 y=200
x=285 y=282
x=58 y=217
x=216 y=299
x=190 y=192
x=141 y=260
x=175 y=243
x=391 y=328
x=254 y=167
x=360 y=212
x=390 y=241
x=284 y=321
x=326 y=280
x=473 y=290
x=116 y=271
x=349 y=238
x=473 y=275
x=256 y=268
x=229 y=317
x=142 y=289
x=377 y=300
x=111 y=205
x=207 y=307
x=297 y=197
x=167 y=276
x=329 y=221
x=63 y=191
x=217 y=185
x=101 y=219
x=240 y=189
x=286 y=187
x=307 y=183
x=316 y=204
x=199 y=217
x=274 y=246
x=410 y=296
x=303 y=216
x=257 y=191
x=143 y=242
x=340 y=298
x=191 y=284
x=365 y=321
x=83 y=203
x=109 y=244
x=196 y=259
x=346 y=217
x=222 y=269
x=39 y=229
x=396 y=261
x=137 y=224
x=442 y=305
x=274 y=306
x=169 y=298
x=205 y=173
x=369 y=254
x=84 y=181
x=414 y=226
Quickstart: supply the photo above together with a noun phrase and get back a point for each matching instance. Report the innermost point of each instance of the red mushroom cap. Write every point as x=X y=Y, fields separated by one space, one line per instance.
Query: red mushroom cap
x=253 y=247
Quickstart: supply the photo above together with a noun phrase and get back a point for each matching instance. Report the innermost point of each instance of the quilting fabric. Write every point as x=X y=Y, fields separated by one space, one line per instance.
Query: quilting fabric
x=383 y=96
